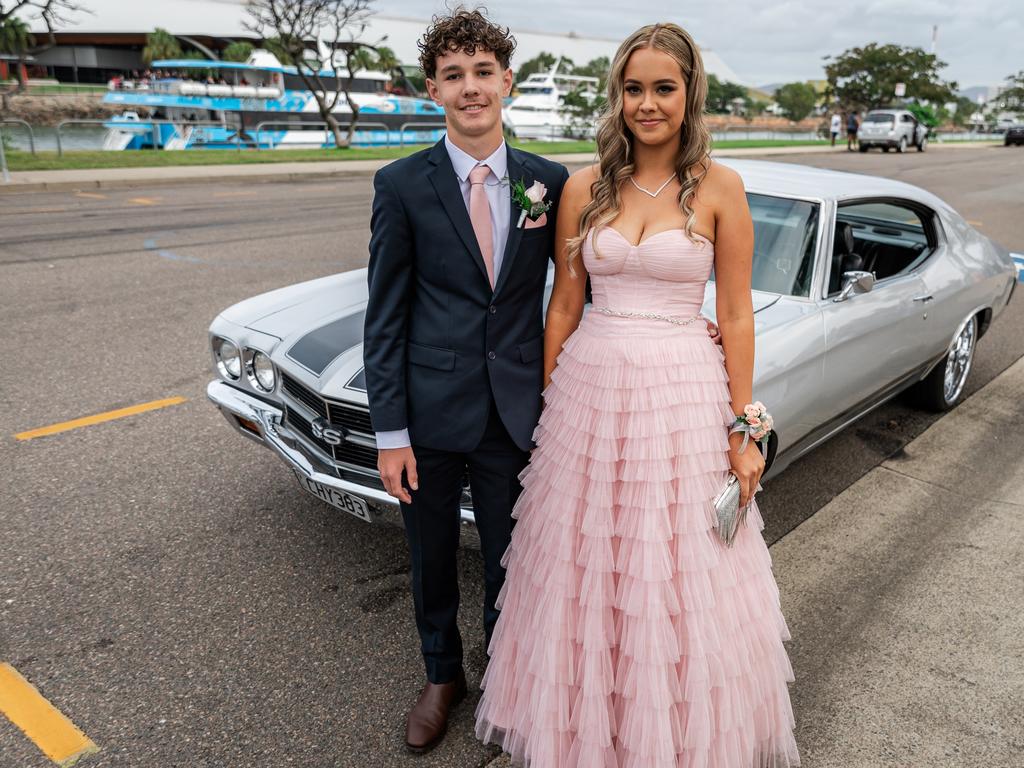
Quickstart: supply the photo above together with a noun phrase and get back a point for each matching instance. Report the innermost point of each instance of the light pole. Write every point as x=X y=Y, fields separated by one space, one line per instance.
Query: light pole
x=3 y=162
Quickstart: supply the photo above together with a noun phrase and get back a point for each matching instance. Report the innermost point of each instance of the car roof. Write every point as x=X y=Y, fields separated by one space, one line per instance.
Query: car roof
x=793 y=180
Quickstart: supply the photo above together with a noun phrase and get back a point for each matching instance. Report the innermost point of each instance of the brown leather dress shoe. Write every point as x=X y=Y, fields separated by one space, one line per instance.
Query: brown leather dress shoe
x=428 y=720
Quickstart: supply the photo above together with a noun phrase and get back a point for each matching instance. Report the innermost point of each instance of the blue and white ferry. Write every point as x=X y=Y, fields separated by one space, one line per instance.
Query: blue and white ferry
x=261 y=104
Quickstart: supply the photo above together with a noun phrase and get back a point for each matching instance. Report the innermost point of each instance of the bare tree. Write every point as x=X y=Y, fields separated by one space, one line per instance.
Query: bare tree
x=333 y=27
x=54 y=13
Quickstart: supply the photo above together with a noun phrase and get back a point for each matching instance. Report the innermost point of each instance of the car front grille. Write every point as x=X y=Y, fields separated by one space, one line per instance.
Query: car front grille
x=354 y=419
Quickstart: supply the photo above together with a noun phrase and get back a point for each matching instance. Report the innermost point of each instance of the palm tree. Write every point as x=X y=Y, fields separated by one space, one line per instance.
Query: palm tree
x=237 y=51
x=15 y=39
x=160 y=44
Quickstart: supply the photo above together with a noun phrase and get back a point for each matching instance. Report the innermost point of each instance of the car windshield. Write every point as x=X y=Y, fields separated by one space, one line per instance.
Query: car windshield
x=785 y=234
x=879 y=119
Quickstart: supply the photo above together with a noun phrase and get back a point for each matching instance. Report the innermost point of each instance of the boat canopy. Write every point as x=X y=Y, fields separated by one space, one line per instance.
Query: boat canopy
x=362 y=74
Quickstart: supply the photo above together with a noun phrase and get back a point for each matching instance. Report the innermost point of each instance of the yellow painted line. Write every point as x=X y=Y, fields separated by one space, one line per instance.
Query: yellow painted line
x=974 y=223
x=99 y=418
x=144 y=200
x=56 y=736
x=91 y=195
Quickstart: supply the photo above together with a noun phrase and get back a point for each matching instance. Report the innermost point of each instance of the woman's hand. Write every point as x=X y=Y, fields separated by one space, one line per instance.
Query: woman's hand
x=747 y=466
x=713 y=332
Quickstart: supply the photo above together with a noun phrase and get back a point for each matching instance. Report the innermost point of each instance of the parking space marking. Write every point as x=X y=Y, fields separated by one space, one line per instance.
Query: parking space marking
x=91 y=195
x=55 y=735
x=974 y=223
x=99 y=418
x=145 y=200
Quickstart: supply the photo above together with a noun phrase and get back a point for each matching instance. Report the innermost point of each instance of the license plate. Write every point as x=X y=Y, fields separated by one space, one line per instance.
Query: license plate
x=346 y=502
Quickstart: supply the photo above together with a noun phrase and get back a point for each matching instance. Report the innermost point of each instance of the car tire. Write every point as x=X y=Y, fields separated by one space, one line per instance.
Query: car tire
x=902 y=146
x=943 y=388
x=885 y=149
x=923 y=145
x=863 y=148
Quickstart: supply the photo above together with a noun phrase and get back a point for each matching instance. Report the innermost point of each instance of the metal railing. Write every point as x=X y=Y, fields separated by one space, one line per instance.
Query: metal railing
x=327 y=130
x=31 y=133
x=153 y=131
x=4 y=173
x=406 y=126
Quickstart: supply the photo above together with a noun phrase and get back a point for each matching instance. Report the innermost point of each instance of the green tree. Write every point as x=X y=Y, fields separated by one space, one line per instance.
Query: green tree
x=598 y=68
x=721 y=95
x=965 y=107
x=15 y=39
x=583 y=113
x=238 y=51
x=1011 y=98
x=543 y=62
x=160 y=44
x=796 y=100
x=867 y=77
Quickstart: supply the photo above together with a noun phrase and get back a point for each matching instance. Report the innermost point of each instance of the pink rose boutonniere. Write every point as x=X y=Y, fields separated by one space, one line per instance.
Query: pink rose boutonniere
x=530 y=200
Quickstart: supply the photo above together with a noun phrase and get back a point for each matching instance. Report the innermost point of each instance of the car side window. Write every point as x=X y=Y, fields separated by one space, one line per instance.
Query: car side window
x=885 y=237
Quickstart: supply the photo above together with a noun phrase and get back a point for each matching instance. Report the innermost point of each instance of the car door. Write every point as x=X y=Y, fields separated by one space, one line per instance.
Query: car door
x=872 y=339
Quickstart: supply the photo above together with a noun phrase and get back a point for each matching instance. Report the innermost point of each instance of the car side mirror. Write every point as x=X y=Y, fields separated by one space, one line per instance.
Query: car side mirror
x=855 y=281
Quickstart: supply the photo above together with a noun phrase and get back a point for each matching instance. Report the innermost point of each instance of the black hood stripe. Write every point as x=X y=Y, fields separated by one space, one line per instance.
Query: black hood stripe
x=322 y=346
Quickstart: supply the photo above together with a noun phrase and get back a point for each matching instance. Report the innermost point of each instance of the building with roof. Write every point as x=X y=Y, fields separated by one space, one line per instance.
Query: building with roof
x=108 y=41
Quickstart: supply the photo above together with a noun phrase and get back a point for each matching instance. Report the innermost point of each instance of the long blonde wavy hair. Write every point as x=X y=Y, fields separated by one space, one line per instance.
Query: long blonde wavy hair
x=615 y=140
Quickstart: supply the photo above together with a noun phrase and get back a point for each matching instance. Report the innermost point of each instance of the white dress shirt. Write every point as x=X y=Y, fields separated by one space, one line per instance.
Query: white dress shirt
x=501 y=212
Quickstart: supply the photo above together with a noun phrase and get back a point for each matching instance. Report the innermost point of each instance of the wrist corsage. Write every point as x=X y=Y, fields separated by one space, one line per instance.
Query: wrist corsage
x=530 y=200
x=756 y=424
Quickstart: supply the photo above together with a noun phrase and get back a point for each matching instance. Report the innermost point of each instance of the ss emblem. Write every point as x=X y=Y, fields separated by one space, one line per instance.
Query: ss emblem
x=329 y=433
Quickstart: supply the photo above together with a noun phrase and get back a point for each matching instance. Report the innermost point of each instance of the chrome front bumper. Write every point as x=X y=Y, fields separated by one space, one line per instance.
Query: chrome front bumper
x=273 y=434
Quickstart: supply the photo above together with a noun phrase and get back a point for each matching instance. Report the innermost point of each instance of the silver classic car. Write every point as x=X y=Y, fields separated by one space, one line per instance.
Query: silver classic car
x=862 y=287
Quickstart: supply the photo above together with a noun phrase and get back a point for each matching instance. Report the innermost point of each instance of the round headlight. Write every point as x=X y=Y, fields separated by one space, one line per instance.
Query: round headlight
x=229 y=361
x=263 y=372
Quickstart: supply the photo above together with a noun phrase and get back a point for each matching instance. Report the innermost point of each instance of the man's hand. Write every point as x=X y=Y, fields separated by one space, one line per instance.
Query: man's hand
x=392 y=462
x=713 y=332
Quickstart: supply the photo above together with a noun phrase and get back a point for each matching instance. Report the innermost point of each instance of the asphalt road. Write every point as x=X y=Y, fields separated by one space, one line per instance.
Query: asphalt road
x=162 y=581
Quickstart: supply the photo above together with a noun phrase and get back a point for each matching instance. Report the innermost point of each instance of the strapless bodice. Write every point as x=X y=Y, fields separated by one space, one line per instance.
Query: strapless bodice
x=666 y=273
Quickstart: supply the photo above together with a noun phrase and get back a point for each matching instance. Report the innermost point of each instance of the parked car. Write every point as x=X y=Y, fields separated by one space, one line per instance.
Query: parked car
x=862 y=287
x=1014 y=135
x=891 y=129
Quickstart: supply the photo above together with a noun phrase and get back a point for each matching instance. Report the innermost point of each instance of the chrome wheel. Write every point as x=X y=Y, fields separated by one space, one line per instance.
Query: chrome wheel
x=958 y=361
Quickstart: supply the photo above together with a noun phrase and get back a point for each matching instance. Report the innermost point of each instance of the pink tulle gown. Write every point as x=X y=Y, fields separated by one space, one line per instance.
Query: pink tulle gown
x=629 y=637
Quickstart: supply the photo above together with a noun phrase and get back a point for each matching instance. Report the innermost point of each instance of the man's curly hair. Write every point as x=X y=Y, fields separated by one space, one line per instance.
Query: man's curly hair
x=466 y=31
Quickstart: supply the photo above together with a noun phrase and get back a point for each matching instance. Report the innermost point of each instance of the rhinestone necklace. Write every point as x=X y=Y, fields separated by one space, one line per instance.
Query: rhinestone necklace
x=647 y=191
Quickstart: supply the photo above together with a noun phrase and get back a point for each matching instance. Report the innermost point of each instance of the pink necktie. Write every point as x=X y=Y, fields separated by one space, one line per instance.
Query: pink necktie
x=480 y=217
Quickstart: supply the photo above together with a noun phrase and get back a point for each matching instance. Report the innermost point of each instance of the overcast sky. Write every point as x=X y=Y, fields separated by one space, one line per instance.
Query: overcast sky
x=785 y=40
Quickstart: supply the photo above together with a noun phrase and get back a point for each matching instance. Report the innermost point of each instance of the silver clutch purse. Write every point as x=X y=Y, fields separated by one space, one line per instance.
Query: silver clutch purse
x=727 y=507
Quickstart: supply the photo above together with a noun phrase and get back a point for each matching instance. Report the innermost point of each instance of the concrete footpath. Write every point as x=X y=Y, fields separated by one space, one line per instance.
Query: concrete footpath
x=904 y=598
x=113 y=178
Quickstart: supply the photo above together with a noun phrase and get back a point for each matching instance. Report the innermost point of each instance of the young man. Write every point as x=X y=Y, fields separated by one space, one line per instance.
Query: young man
x=453 y=338
x=834 y=127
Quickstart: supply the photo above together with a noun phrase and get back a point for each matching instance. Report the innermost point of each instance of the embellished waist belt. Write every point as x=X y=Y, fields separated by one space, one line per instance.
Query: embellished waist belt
x=646 y=316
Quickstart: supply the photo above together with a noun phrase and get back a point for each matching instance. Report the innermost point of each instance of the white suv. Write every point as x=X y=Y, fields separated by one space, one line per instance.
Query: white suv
x=891 y=129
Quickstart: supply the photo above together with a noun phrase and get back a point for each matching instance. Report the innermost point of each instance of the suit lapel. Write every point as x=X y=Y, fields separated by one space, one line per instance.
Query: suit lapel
x=516 y=170
x=446 y=185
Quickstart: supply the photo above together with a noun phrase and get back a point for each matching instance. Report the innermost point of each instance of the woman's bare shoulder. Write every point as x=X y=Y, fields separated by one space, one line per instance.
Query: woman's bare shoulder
x=577 y=187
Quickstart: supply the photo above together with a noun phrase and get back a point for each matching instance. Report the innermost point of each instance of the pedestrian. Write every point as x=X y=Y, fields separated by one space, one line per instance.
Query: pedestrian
x=837 y=124
x=852 y=124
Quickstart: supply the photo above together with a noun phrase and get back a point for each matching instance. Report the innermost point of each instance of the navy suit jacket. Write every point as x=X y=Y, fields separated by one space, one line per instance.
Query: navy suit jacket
x=438 y=343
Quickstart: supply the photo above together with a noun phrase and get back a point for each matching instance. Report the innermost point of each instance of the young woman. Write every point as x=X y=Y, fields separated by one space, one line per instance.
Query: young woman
x=629 y=634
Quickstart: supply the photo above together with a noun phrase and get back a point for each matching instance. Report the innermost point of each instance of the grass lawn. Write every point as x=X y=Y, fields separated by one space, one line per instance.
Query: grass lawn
x=48 y=161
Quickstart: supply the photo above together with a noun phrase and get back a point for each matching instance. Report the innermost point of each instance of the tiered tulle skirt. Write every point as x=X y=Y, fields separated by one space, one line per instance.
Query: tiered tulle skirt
x=629 y=636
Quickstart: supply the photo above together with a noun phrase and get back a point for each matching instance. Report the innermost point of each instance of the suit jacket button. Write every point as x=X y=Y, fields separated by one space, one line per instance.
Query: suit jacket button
x=491 y=355
x=493 y=309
